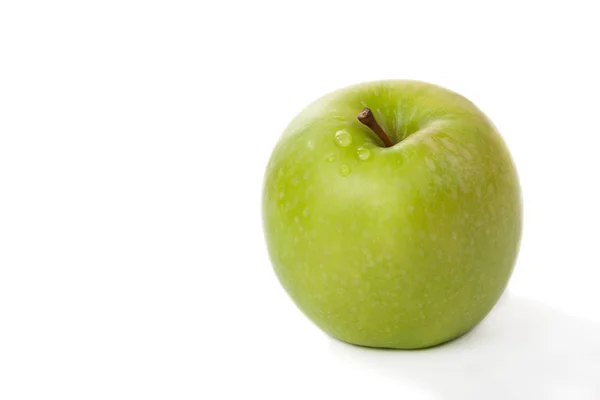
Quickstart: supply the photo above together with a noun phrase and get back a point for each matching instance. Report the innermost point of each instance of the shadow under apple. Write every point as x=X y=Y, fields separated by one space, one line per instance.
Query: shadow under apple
x=522 y=350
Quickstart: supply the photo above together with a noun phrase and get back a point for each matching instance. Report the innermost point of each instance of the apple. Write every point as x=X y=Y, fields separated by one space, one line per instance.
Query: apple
x=392 y=214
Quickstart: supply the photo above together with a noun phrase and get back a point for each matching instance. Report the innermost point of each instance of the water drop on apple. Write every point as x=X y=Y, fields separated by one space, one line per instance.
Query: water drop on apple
x=343 y=138
x=345 y=170
x=363 y=153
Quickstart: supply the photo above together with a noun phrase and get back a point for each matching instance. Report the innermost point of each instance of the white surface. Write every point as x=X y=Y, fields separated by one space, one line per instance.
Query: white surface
x=133 y=138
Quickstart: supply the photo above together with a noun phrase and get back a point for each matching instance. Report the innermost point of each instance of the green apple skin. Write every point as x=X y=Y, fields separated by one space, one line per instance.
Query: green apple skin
x=402 y=247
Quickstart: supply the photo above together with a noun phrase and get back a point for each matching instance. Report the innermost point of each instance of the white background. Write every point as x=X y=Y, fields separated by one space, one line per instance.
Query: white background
x=133 y=140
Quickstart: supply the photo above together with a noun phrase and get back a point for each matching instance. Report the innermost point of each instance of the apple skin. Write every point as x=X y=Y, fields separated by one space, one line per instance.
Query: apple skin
x=402 y=247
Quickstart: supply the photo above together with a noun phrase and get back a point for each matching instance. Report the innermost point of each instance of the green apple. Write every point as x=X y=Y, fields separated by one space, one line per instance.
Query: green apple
x=399 y=228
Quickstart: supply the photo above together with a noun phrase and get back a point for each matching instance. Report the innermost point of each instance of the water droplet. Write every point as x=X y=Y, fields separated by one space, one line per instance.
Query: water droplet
x=345 y=170
x=363 y=154
x=330 y=158
x=343 y=138
x=296 y=219
x=305 y=212
x=311 y=144
x=281 y=195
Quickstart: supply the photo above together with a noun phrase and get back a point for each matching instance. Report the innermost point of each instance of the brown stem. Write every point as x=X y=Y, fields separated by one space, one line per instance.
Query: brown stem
x=367 y=118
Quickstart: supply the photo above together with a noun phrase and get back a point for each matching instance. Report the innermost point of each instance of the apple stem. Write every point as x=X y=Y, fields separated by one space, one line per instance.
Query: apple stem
x=367 y=118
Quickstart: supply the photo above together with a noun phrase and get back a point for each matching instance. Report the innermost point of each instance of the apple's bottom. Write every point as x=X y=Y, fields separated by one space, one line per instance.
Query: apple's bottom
x=405 y=347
